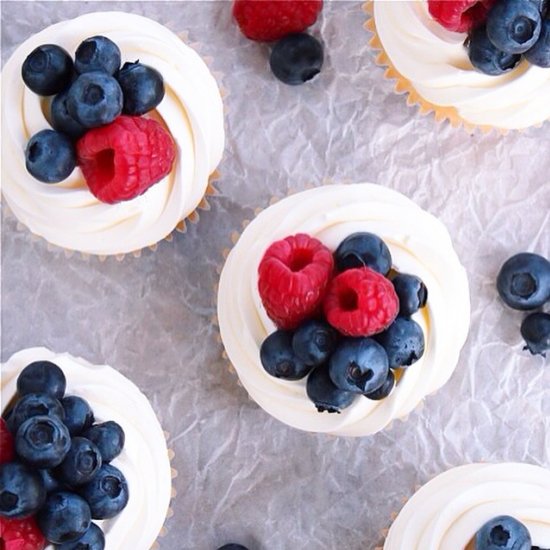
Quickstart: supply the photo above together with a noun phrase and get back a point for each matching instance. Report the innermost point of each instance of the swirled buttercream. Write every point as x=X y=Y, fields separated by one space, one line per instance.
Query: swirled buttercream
x=67 y=214
x=446 y=513
x=144 y=459
x=419 y=244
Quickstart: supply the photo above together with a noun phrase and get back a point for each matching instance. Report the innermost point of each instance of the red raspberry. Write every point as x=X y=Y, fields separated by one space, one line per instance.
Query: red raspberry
x=272 y=19
x=20 y=534
x=293 y=277
x=124 y=158
x=360 y=302
x=6 y=443
x=460 y=15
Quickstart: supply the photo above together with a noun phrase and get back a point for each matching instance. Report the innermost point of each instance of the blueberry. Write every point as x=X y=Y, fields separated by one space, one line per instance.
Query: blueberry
x=35 y=404
x=539 y=54
x=93 y=539
x=313 y=342
x=523 y=281
x=535 y=330
x=359 y=365
x=65 y=517
x=81 y=463
x=403 y=341
x=486 y=57
x=97 y=53
x=42 y=377
x=22 y=492
x=513 y=26
x=363 y=250
x=108 y=437
x=142 y=87
x=61 y=120
x=278 y=357
x=51 y=483
x=296 y=58
x=47 y=69
x=412 y=293
x=78 y=414
x=94 y=99
x=42 y=441
x=503 y=533
x=107 y=494
x=50 y=156
x=324 y=394
x=384 y=390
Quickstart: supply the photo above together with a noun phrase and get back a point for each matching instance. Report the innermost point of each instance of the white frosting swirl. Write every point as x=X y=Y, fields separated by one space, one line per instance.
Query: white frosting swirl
x=447 y=512
x=436 y=63
x=419 y=244
x=144 y=459
x=67 y=214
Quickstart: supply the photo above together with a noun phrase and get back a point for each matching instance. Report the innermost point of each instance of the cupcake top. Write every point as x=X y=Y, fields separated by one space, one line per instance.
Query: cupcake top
x=144 y=458
x=66 y=213
x=419 y=244
x=447 y=512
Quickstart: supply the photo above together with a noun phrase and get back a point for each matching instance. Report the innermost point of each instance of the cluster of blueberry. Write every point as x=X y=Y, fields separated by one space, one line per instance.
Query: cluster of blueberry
x=367 y=333
x=523 y=283
x=504 y=533
x=55 y=475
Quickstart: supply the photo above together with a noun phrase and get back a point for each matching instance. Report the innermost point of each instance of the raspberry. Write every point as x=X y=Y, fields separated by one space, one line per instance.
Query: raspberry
x=459 y=15
x=124 y=158
x=273 y=19
x=360 y=302
x=6 y=443
x=293 y=277
x=21 y=534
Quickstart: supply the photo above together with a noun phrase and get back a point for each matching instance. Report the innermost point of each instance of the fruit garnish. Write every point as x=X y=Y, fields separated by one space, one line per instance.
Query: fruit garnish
x=107 y=493
x=92 y=539
x=61 y=120
x=314 y=342
x=109 y=438
x=42 y=377
x=78 y=414
x=503 y=533
x=21 y=534
x=486 y=57
x=47 y=69
x=363 y=250
x=22 y=492
x=539 y=54
x=324 y=394
x=6 y=443
x=278 y=358
x=142 y=88
x=80 y=464
x=412 y=293
x=459 y=15
x=50 y=156
x=535 y=330
x=34 y=404
x=403 y=342
x=384 y=390
x=97 y=53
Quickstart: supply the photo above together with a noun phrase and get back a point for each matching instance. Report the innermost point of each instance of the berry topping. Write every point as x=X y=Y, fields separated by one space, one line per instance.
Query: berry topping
x=50 y=156
x=122 y=160
x=359 y=365
x=324 y=394
x=486 y=57
x=65 y=517
x=539 y=54
x=412 y=293
x=363 y=250
x=293 y=277
x=360 y=302
x=94 y=99
x=42 y=377
x=93 y=539
x=142 y=87
x=21 y=534
x=34 y=404
x=61 y=120
x=272 y=19
x=47 y=70
x=278 y=357
x=22 y=492
x=97 y=53
x=503 y=533
x=296 y=59
x=81 y=463
x=108 y=437
x=459 y=15
x=107 y=493
x=535 y=330
x=50 y=482
x=523 y=281
x=384 y=390
x=6 y=443
x=403 y=342
x=314 y=342
x=78 y=414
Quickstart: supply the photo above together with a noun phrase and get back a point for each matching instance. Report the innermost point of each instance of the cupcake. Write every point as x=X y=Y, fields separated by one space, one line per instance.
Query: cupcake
x=101 y=207
x=142 y=453
x=469 y=506
x=441 y=54
x=293 y=340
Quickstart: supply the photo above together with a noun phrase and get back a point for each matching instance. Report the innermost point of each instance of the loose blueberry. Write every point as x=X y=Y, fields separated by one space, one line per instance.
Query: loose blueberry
x=523 y=281
x=486 y=57
x=94 y=99
x=108 y=437
x=42 y=377
x=539 y=54
x=47 y=69
x=314 y=342
x=296 y=58
x=363 y=250
x=324 y=394
x=535 y=330
x=35 y=404
x=93 y=539
x=384 y=390
x=412 y=293
x=403 y=342
x=107 y=494
x=81 y=463
x=51 y=483
x=42 y=441
x=97 y=53
x=50 y=156
x=142 y=87
x=513 y=26
x=359 y=365
x=22 y=492
x=278 y=357
x=503 y=533
x=61 y=120
x=65 y=517
x=78 y=414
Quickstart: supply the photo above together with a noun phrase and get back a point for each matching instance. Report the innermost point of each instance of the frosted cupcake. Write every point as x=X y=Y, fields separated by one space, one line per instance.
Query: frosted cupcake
x=272 y=306
x=189 y=117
